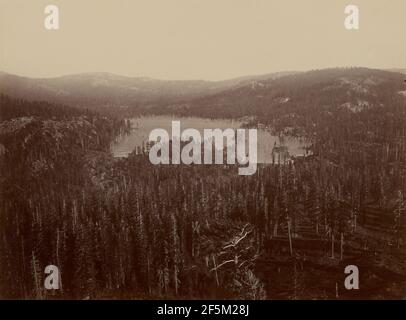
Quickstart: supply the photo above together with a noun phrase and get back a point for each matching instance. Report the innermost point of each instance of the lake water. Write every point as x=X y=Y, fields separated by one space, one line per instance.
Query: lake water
x=142 y=127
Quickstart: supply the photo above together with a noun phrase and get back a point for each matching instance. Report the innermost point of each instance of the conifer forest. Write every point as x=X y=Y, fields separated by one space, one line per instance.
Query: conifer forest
x=124 y=228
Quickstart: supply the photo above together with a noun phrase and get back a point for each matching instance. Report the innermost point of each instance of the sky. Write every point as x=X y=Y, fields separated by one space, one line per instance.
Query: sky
x=198 y=39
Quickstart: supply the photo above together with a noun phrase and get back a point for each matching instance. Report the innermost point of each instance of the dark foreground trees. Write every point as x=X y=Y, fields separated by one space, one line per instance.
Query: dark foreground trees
x=128 y=229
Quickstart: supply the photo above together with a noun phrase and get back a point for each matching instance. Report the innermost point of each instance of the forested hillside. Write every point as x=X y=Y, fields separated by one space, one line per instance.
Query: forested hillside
x=126 y=228
x=100 y=90
x=302 y=96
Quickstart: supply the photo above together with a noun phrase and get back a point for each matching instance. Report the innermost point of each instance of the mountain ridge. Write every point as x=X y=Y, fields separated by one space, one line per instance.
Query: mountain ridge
x=249 y=94
x=101 y=88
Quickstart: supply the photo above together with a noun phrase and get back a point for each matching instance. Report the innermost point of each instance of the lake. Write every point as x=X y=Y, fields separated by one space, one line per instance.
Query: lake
x=142 y=126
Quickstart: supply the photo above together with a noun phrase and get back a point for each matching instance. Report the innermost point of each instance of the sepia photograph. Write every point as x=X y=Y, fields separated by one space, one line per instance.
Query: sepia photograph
x=176 y=150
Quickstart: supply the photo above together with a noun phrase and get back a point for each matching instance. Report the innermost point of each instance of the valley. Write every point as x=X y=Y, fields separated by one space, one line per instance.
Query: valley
x=75 y=194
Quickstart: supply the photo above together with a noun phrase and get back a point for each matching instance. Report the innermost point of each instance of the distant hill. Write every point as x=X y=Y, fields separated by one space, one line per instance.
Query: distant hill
x=398 y=70
x=265 y=97
x=351 y=89
x=106 y=89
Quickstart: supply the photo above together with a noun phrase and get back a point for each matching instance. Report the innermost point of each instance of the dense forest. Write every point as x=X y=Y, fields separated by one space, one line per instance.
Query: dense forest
x=123 y=228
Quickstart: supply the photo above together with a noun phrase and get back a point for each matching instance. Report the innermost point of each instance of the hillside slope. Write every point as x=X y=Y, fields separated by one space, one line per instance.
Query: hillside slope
x=355 y=89
x=105 y=89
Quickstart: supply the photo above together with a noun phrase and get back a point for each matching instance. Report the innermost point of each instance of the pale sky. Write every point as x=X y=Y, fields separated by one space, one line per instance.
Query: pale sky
x=198 y=39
